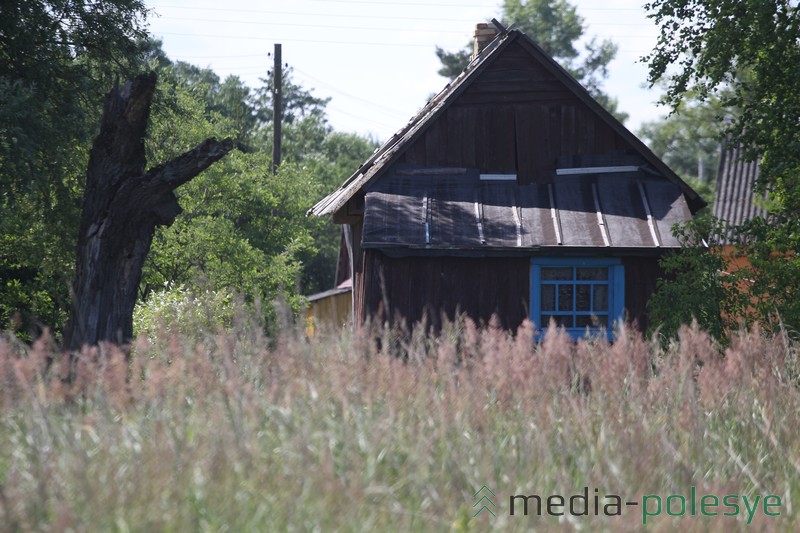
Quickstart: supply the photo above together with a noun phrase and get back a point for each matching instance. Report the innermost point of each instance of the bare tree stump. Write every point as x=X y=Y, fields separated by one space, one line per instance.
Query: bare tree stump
x=122 y=206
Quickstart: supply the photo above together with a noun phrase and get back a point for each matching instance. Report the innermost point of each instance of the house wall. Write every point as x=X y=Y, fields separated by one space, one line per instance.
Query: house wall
x=409 y=288
x=516 y=117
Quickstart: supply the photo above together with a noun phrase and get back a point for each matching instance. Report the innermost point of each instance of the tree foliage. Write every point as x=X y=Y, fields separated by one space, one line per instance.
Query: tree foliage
x=57 y=60
x=689 y=140
x=243 y=230
x=698 y=286
x=746 y=53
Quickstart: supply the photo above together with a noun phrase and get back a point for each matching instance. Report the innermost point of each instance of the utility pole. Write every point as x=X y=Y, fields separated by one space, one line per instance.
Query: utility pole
x=277 y=109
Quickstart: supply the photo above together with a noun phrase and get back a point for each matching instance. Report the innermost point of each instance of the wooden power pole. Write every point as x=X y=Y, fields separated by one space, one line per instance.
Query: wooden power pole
x=277 y=107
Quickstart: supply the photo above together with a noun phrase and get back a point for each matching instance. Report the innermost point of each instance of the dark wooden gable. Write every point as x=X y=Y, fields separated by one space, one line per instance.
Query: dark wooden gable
x=513 y=110
x=518 y=117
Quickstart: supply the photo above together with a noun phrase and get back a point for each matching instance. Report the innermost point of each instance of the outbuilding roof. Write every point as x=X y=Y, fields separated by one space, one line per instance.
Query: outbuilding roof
x=735 y=201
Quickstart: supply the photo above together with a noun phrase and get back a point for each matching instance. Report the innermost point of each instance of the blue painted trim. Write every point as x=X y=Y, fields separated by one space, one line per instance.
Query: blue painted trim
x=616 y=292
x=536 y=294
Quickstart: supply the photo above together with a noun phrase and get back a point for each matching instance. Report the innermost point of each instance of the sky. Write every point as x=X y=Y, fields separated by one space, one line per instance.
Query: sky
x=376 y=59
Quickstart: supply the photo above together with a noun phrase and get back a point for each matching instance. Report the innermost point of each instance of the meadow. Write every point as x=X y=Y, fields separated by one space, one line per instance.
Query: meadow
x=232 y=431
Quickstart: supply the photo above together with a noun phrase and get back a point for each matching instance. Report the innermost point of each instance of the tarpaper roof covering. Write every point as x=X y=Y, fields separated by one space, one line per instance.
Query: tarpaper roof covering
x=459 y=211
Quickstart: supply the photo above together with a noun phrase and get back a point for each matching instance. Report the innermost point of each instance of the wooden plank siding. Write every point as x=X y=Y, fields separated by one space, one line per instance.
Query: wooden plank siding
x=410 y=288
x=515 y=118
x=641 y=274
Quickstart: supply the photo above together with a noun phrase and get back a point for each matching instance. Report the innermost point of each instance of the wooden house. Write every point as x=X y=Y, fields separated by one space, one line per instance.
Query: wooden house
x=512 y=192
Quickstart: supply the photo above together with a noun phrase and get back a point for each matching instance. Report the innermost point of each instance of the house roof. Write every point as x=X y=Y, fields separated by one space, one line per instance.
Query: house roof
x=460 y=213
x=735 y=201
x=343 y=287
x=387 y=154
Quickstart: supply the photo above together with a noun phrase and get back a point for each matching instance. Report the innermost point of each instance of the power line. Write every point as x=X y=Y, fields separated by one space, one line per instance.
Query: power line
x=308 y=14
x=426 y=4
x=271 y=39
x=223 y=57
x=304 y=25
x=458 y=5
x=362 y=119
x=314 y=79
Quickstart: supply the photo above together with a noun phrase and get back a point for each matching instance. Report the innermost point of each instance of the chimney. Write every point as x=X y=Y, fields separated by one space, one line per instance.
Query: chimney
x=485 y=32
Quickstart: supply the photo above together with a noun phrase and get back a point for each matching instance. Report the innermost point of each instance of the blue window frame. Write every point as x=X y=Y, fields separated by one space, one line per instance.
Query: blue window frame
x=580 y=294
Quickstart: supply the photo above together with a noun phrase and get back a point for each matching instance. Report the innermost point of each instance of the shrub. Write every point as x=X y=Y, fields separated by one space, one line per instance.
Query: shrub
x=178 y=310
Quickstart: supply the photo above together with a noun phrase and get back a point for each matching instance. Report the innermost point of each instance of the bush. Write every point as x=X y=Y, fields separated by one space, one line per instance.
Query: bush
x=178 y=310
x=698 y=285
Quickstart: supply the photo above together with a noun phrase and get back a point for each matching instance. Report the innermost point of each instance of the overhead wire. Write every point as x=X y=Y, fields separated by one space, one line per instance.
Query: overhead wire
x=339 y=27
x=380 y=107
x=307 y=14
x=306 y=25
x=351 y=38
x=293 y=40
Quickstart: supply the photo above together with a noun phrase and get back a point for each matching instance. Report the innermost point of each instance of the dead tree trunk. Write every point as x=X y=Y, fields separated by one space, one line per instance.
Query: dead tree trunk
x=122 y=205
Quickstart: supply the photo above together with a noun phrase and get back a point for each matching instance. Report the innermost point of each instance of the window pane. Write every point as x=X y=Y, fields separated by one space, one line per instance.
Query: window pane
x=548 y=297
x=592 y=321
x=592 y=274
x=556 y=272
x=565 y=298
x=560 y=320
x=600 y=298
x=583 y=297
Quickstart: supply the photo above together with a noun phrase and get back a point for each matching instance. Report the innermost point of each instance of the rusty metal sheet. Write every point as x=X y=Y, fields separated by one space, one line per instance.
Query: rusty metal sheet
x=502 y=226
x=537 y=223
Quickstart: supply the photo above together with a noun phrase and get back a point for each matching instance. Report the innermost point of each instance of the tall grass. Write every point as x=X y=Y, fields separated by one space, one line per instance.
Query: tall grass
x=230 y=432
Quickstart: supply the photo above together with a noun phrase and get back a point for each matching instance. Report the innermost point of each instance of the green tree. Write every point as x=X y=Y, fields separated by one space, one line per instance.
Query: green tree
x=57 y=60
x=330 y=156
x=746 y=52
x=688 y=140
x=555 y=26
x=698 y=285
x=244 y=229
x=339 y=155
